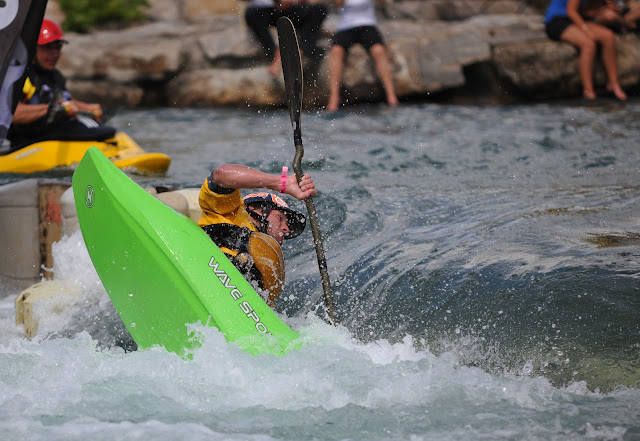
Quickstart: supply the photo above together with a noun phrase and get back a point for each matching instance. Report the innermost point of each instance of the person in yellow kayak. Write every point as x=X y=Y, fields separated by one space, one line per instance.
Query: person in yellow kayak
x=46 y=109
x=250 y=230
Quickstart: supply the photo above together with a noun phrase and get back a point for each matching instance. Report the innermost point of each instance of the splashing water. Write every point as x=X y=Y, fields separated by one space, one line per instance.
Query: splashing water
x=484 y=264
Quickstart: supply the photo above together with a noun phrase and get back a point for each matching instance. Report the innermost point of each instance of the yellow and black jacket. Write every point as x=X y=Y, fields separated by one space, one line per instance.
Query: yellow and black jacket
x=256 y=255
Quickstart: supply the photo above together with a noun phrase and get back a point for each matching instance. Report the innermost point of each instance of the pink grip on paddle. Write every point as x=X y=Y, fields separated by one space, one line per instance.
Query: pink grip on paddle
x=283 y=179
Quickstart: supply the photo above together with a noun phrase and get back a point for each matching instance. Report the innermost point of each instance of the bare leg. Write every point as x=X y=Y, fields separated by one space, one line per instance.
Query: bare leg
x=587 y=47
x=336 y=66
x=610 y=61
x=607 y=40
x=274 y=67
x=383 y=68
x=585 y=40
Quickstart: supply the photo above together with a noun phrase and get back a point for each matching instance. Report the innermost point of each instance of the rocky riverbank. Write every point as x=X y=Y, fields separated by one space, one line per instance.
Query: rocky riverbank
x=495 y=51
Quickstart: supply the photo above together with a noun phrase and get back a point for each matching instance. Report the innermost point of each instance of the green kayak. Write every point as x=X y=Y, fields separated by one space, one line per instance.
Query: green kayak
x=162 y=272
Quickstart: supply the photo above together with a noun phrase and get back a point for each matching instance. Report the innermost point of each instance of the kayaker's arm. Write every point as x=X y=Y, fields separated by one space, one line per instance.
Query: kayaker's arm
x=28 y=113
x=94 y=109
x=240 y=176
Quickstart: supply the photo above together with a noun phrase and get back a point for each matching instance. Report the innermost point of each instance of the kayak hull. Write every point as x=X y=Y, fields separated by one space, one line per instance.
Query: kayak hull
x=162 y=272
x=123 y=151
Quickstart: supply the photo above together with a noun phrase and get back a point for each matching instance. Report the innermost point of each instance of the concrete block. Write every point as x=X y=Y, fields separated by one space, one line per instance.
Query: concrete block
x=30 y=222
x=191 y=195
x=27 y=301
x=69 y=215
x=19 y=230
x=175 y=200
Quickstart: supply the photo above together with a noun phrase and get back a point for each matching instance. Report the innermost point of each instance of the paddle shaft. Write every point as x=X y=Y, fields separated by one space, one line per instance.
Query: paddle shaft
x=315 y=228
x=292 y=72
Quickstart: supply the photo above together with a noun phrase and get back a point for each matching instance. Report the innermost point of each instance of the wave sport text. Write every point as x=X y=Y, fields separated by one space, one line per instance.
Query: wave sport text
x=245 y=306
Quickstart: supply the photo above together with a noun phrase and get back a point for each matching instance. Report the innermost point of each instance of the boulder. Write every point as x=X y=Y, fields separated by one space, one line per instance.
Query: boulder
x=194 y=10
x=226 y=87
x=435 y=47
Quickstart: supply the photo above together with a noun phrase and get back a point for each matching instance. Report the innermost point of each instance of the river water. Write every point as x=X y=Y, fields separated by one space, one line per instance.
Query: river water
x=484 y=262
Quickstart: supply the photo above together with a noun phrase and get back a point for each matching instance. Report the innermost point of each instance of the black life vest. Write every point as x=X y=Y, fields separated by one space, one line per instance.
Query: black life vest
x=257 y=256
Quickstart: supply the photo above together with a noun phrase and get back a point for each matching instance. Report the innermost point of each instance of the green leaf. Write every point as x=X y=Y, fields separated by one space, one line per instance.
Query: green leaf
x=81 y=15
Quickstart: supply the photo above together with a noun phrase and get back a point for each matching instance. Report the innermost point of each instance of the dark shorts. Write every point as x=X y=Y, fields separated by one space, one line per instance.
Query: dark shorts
x=556 y=26
x=367 y=36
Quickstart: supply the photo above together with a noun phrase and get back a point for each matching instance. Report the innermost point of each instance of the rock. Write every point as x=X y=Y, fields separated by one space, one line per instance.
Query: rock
x=228 y=44
x=143 y=61
x=628 y=58
x=436 y=46
x=53 y=12
x=163 y=10
x=535 y=66
x=110 y=93
x=226 y=87
x=452 y=10
x=546 y=69
x=190 y=10
x=195 y=10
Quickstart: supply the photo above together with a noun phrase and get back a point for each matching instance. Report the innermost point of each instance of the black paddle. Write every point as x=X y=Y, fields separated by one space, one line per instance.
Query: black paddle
x=292 y=71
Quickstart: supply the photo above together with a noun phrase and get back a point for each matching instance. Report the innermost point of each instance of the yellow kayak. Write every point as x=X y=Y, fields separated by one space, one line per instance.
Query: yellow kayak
x=123 y=151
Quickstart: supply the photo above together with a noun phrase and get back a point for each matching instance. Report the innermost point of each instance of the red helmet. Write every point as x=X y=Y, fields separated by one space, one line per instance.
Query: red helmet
x=50 y=32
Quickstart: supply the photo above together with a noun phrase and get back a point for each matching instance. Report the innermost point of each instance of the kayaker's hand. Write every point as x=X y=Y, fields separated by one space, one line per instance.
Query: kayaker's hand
x=94 y=109
x=301 y=191
x=70 y=108
x=55 y=111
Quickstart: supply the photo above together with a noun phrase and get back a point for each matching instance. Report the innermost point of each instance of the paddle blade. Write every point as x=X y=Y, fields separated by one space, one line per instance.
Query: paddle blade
x=291 y=68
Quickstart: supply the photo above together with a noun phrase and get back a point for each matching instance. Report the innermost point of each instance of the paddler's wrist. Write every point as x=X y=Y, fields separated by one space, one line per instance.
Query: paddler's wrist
x=283 y=179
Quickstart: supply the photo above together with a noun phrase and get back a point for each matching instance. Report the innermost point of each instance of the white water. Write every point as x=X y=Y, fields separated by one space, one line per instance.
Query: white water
x=480 y=214
x=335 y=387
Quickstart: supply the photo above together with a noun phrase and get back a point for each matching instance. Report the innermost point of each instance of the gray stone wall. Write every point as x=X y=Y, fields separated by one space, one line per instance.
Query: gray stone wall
x=200 y=53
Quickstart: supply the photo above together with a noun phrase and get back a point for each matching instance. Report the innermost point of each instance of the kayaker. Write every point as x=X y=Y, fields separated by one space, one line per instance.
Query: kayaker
x=250 y=230
x=46 y=109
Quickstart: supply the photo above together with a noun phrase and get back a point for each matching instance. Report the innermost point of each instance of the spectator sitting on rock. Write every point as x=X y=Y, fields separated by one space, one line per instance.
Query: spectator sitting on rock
x=563 y=22
x=358 y=25
x=261 y=15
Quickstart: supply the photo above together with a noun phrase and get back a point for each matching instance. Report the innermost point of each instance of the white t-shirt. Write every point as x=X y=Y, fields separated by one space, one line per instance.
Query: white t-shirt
x=261 y=4
x=355 y=13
